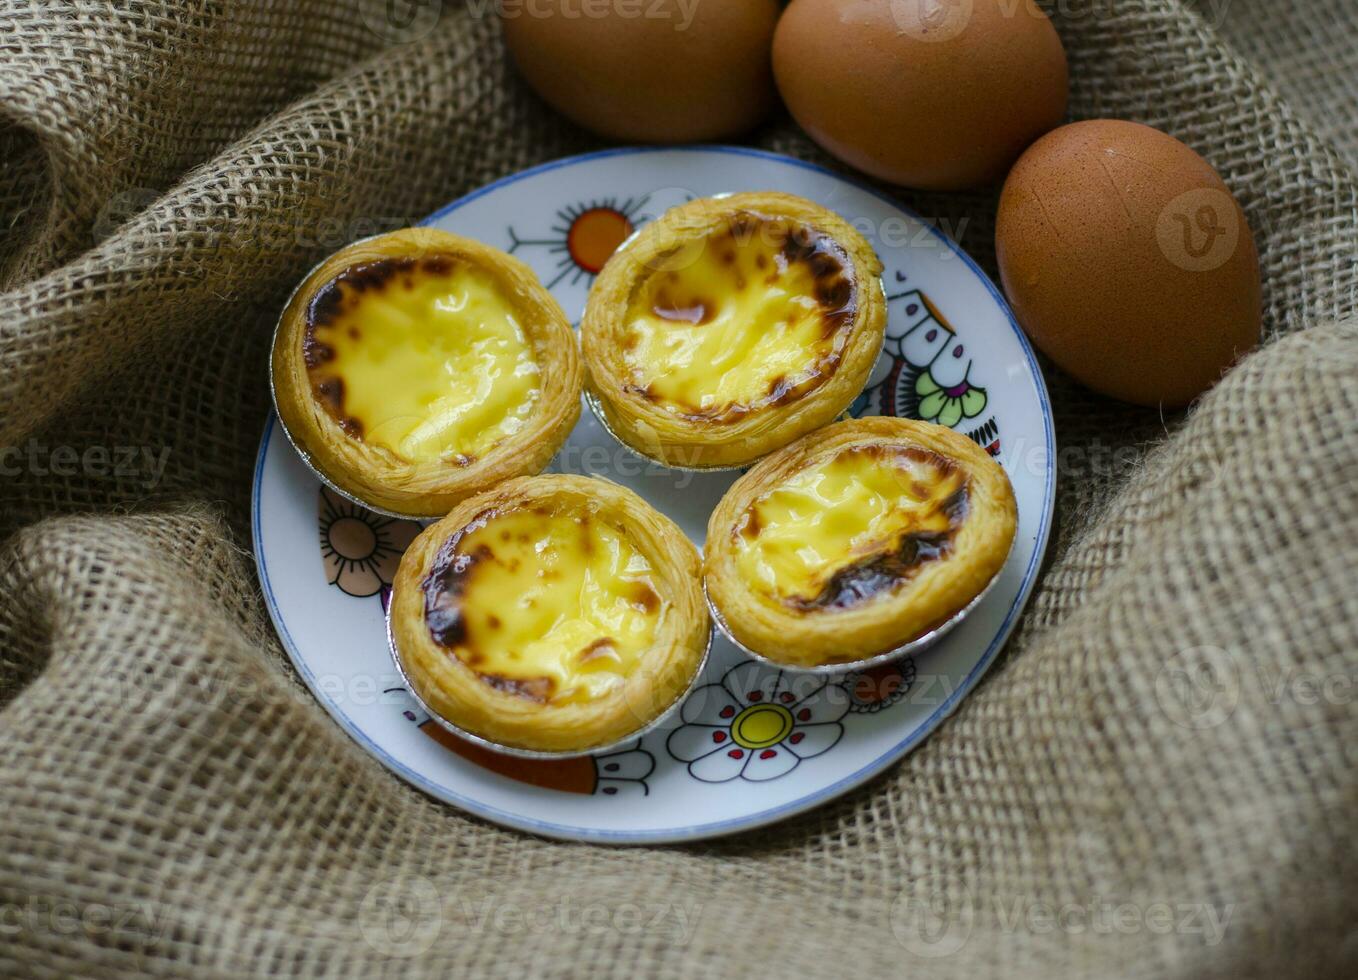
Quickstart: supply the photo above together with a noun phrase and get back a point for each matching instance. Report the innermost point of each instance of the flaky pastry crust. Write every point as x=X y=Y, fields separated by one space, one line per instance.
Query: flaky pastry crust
x=456 y=693
x=700 y=443
x=809 y=636
x=371 y=473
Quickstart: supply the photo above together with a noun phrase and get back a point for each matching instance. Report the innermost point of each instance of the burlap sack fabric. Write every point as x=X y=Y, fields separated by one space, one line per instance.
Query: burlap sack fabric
x=173 y=803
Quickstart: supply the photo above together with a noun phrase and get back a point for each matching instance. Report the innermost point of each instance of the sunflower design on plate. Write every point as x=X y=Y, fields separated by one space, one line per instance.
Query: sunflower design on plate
x=584 y=237
x=758 y=723
x=360 y=550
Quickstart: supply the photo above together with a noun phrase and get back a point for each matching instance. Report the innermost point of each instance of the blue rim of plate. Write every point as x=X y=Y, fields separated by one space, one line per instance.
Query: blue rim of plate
x=568 y=832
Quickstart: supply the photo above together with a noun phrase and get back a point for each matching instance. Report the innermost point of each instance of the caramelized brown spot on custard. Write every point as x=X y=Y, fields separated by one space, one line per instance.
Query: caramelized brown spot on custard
x=480 y=602
x=852 y=525
x=330 y=393
x=446 y=583
x=869 y=577
x=445 y=587
x=314 y=352
x=883 y=572
x=340 y=294
x=781 y=390
x=718 y=381
x=325 y=307
x=599 y=649
x=644 y=597
x=538 y=689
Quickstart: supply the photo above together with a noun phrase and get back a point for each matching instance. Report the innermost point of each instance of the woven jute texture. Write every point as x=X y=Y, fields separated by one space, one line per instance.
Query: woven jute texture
x=1158 y=778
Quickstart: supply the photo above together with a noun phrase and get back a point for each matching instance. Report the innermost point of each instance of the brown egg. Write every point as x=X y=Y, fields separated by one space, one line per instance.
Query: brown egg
x=1128 y=262
x=927 y=93
x=657 y=71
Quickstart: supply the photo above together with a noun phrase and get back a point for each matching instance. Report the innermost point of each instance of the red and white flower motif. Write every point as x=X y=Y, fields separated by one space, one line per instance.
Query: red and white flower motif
x=758 y=723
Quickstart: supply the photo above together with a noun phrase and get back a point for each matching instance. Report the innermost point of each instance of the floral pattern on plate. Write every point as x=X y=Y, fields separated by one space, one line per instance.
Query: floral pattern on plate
x=758 y=723
x=925 y=372
x=801 y=739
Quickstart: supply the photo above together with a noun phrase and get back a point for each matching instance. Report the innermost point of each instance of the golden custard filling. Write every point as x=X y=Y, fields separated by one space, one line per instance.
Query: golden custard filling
x=421 y=356
x=755 y=314
x=551 y=606
x=852 y=526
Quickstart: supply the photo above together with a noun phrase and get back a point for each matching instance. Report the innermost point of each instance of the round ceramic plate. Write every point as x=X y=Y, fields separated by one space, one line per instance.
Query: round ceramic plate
x=751 y=744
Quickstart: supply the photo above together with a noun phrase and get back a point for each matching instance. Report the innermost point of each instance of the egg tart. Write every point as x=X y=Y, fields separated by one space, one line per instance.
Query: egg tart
x=550 y=615
x=856 y=541
x=417 y=368
x=731 y=326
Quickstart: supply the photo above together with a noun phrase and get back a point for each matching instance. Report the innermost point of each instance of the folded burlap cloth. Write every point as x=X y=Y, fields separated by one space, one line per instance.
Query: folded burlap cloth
x=170 y=169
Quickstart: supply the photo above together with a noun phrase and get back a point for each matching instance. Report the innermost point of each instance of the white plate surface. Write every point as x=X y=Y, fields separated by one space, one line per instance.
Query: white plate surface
x=953 y=354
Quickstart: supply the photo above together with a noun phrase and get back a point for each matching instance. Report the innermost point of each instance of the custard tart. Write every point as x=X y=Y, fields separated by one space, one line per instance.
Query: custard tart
x=551 y=615
x=417 y=368
x=856 y=541
x=731 y=326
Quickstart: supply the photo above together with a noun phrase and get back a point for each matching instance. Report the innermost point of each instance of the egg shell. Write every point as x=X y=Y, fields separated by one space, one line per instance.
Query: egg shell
x=1128 y=262
x=924 y=93
x=656 y=71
